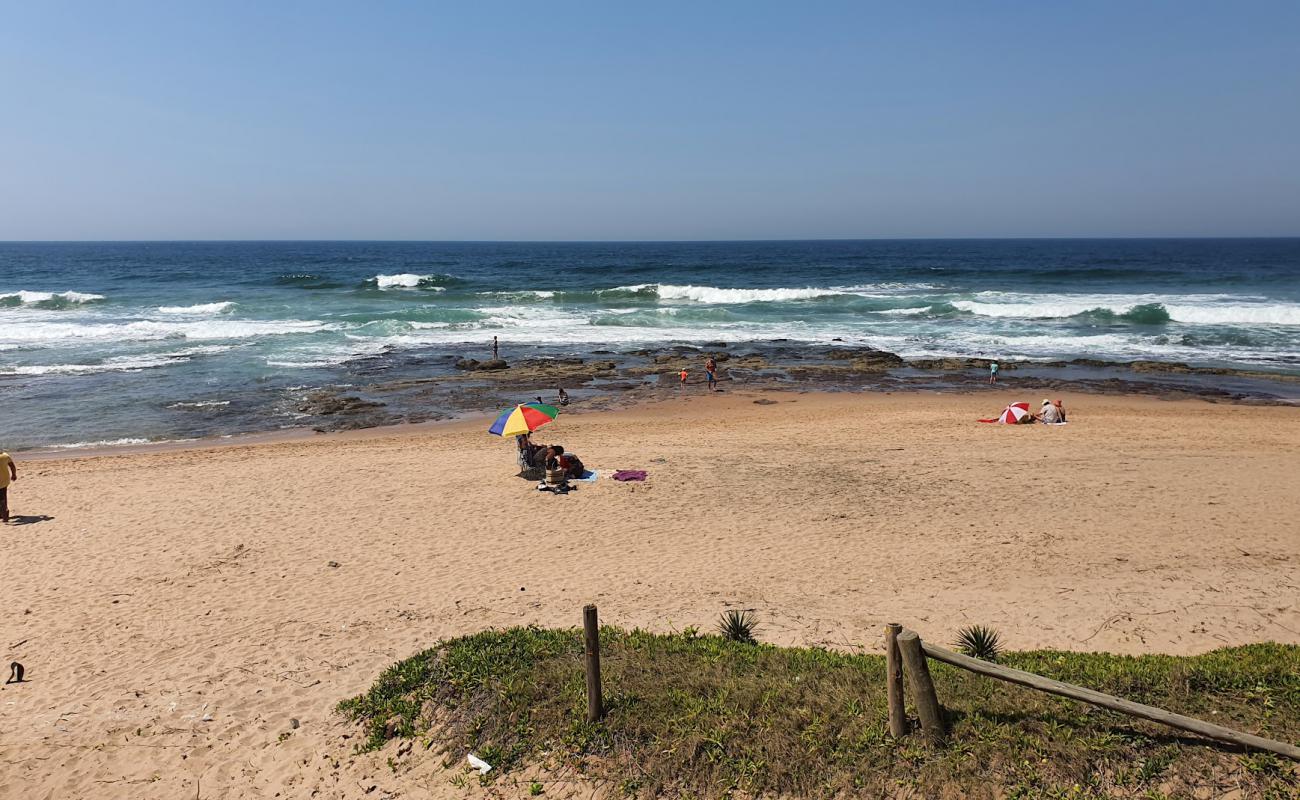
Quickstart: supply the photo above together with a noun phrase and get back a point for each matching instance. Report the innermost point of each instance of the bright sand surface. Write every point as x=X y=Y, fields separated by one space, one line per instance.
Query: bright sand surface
x=181 y=607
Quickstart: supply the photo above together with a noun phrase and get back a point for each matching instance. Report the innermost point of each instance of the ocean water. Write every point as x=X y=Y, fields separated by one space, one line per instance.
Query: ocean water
x=107 y=342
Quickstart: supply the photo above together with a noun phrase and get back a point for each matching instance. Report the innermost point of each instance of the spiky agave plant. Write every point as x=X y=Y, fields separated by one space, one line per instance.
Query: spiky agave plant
x=979 y=641
x=738 y=626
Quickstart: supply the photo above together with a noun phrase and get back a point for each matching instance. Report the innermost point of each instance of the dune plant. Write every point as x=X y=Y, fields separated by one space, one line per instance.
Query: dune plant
x=738 y=626
x=979 y=641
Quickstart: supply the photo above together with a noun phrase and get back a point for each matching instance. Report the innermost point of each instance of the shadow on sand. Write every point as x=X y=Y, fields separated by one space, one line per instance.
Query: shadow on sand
x=29 y=519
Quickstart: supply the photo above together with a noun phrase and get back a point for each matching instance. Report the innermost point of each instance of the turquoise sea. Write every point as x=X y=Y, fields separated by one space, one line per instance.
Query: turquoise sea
x=121 y=342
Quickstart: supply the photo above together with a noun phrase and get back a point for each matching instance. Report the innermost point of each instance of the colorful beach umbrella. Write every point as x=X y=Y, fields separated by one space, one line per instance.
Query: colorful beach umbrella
x=523 y=418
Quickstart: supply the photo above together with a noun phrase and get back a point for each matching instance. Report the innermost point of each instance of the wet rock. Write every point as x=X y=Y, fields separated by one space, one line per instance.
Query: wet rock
x=327 y=403
x=952 y=364
x=551 y=362
x=474 y=365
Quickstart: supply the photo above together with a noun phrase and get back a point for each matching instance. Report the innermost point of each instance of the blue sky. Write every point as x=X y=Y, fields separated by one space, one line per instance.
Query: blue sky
x=720 y=120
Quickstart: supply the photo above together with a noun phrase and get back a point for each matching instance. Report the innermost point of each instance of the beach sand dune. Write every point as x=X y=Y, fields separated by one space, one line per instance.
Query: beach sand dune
x=180 y=608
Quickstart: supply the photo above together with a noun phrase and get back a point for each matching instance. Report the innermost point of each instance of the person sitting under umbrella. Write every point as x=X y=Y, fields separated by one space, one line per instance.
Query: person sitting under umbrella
x=572 y=466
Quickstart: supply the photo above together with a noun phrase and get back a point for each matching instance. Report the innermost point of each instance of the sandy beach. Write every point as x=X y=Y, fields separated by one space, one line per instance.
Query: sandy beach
x=176 y=610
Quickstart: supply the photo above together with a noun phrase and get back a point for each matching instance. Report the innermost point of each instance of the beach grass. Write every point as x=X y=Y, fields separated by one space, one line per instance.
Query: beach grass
x=701 y=716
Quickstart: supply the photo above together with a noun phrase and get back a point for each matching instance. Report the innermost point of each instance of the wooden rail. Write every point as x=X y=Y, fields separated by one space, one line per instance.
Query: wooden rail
x=1190 y=724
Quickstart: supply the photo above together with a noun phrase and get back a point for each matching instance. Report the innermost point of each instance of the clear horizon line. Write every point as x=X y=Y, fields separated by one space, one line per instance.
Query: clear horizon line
x=661 y=241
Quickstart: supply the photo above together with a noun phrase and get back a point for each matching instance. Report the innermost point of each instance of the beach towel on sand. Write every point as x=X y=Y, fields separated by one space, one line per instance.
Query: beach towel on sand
x=630 y=475
x=588 y=476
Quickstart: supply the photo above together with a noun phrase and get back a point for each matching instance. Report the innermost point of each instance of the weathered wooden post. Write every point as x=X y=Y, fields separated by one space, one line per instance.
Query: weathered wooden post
x=894 y=682
x=918 y=677
x=591 y=628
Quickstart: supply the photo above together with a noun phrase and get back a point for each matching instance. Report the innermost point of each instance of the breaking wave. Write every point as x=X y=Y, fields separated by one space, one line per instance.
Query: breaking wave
x=148 y=330
x=410 y=280
x=51 y=300
x=1142 y=310
x=712 y=294
x=201 y=308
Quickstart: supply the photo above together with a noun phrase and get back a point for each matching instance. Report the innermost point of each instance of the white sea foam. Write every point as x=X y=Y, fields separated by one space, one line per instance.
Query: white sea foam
x=101 y=443
x=270 y=362
x=133 y=363
x=149 y=330
x=331 y=355
x=26 y=297
x=717 y=295
x=201 y=404
x=524 y=294
x=405 y=280
x=120 y=364
x=713 y=294
x=201 y=308
x=1210 y=309
x=1275 y=314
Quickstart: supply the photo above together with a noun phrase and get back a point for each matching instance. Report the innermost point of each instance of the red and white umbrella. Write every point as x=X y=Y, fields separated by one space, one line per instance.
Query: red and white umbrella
x=1013 y=414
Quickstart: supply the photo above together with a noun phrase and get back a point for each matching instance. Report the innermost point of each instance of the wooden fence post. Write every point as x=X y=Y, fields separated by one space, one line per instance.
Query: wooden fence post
x=894 y=682
x=591 y=629
x=918 y=677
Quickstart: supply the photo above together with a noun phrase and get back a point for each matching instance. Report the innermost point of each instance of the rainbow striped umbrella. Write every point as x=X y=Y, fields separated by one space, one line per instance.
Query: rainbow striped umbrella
x=523 y=418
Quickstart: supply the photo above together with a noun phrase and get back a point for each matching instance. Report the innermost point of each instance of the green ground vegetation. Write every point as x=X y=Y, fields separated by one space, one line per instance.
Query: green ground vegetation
x=701 y=716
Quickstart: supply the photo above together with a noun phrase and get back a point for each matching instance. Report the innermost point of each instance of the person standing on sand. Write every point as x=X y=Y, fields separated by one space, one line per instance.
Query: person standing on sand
x=711 y=372
x=993 y=372
x=683 y=377
x=8 y=474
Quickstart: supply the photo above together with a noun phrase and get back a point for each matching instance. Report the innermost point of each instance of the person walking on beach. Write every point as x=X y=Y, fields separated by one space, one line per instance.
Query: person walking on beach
x=993 y=372
x=711 y=372
x=8 y=474
x=495 y=356
x=683 y=377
